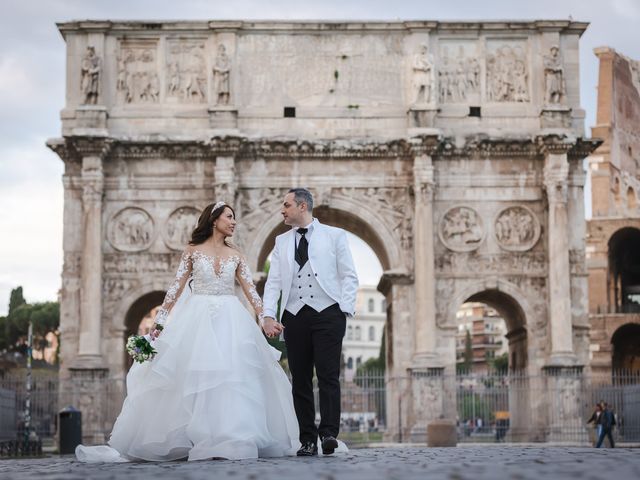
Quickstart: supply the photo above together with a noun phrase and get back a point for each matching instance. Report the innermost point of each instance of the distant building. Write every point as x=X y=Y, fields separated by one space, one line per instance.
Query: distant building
x=49 y=353
x=364 y=331
x=613 y=240
x=487 y=330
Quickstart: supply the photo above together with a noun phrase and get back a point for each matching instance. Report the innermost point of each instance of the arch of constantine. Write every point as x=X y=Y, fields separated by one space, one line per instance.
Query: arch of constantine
x=454 y=149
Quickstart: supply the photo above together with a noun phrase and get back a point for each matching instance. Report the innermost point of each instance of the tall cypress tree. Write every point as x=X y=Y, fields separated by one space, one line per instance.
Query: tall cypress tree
x=16 y=299
x=468 y=352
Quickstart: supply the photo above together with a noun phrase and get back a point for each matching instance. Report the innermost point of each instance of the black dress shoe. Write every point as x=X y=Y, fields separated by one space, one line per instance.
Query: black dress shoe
x=329 y=444
x=308 y=449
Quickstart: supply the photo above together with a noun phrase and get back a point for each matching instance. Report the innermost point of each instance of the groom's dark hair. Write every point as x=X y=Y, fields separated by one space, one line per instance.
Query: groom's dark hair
x=303 y=195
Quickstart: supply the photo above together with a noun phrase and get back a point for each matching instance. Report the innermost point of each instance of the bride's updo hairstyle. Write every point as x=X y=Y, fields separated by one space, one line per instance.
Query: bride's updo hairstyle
x=204 y=229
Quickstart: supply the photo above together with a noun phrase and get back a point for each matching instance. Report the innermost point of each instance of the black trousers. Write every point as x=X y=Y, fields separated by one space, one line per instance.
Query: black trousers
x=315 y=339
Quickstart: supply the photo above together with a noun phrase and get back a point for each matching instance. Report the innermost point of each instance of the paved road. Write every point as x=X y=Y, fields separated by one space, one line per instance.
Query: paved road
x=470 y=462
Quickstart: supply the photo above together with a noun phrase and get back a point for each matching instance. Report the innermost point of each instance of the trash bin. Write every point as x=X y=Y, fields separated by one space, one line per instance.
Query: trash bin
x=70 y=429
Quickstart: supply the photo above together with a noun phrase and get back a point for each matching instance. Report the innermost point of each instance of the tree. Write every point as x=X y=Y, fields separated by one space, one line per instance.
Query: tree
x=464 y=367
x=18 y=327
x=16 y=299
x=501 y=363
x=468 y=352
x=376 y=365
x=3 y=334
x=44 y=317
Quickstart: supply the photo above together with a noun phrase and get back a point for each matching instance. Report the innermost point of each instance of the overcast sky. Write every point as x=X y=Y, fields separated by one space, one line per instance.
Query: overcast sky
x=32 y=56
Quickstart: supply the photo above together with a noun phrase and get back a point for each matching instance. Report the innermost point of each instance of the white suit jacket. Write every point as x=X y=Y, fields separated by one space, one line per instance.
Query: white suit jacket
x=330 y=259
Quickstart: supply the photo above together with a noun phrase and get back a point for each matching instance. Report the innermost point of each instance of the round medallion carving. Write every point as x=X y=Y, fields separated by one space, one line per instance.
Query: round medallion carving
x=179 y=226
x=461 y=229
x=131 y=230
x=516 y=228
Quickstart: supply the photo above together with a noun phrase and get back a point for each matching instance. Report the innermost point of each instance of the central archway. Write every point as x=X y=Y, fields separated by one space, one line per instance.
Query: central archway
x=368 y=227
x=371 y=230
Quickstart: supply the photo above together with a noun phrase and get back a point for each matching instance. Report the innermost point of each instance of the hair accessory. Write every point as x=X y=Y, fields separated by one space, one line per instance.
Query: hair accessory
x=217 y=206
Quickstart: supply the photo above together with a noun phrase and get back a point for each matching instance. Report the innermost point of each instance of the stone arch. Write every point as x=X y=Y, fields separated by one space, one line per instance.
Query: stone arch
x=129 y=310
x=626 y=348
x=511 y=303
x=351 y=215
x=136 y=312
x=624 y=270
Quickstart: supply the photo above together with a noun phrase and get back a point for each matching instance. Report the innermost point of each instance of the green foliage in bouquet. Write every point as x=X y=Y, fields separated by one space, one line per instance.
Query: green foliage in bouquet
x=140 y=349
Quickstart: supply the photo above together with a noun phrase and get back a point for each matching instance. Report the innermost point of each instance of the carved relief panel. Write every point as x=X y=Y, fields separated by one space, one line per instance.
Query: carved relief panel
x=131 y=230
x=180 y=224
x=507 y=71
x=459 y=72
x=138 y=79
x=186 y=70
x=461 y=229
x=516 y=229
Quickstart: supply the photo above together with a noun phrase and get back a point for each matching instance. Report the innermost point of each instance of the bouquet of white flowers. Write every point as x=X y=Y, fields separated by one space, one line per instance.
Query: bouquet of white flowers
x=140 y=349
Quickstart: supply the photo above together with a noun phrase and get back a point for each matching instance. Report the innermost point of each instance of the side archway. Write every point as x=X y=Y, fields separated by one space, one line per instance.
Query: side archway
x=624 y=270
x=136 y=313
x=511 y=304
x=626 y=349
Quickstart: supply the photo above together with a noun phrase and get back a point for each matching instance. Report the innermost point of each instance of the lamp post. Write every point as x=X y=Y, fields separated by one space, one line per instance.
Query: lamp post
x=27 y=401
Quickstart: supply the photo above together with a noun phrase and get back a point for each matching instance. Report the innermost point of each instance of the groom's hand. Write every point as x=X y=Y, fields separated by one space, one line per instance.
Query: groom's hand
x=271 y=328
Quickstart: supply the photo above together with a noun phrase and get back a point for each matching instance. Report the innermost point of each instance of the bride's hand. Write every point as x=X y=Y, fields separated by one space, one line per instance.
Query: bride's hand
x=155 y=334
x=271 y=328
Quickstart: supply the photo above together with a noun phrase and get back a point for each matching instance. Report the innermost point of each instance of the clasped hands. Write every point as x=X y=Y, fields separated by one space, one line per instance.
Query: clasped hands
x=271 y=328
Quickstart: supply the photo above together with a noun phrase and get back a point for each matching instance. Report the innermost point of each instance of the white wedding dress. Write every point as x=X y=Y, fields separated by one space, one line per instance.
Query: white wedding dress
x=215 y=389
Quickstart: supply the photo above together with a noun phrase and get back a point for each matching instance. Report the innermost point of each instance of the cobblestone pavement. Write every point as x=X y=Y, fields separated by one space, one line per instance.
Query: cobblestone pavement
x=477 y=462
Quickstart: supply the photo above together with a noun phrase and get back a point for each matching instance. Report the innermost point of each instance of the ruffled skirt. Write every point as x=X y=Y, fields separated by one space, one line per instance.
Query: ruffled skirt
x=214 y=390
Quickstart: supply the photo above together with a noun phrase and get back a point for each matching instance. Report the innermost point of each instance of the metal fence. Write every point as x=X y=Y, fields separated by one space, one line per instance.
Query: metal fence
x=516 y=407
x=488 y=407
x=44 y=403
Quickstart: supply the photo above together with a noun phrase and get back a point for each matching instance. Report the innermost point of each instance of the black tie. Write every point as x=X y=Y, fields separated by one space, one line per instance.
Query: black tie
x=302 y=252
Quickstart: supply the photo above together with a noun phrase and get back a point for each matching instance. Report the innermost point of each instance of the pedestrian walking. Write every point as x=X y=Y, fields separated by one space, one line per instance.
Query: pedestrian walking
x=607 y=421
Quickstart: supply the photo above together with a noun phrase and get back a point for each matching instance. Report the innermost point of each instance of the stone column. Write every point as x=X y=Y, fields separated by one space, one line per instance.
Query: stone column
x=396 y=286
x=425 y=313
x=91 y=271
x=91 y=151
x=556 y=172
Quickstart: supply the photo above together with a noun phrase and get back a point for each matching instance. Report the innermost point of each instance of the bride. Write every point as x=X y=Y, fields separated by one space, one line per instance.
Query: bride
x=215 y=388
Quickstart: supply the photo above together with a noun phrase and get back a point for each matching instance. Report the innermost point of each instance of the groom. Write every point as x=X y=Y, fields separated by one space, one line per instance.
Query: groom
x=311 y=266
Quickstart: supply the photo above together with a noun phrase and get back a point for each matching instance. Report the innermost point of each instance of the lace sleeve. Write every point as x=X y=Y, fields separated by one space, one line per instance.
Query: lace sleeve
x=173 y=293
x=244 y=276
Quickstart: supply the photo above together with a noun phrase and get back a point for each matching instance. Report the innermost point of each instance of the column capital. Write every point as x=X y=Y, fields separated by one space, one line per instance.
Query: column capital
x=391 y=277
x=554 y=144
x=556 y=177
x=424 y=178
x=427 y=144
x=91 y=146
